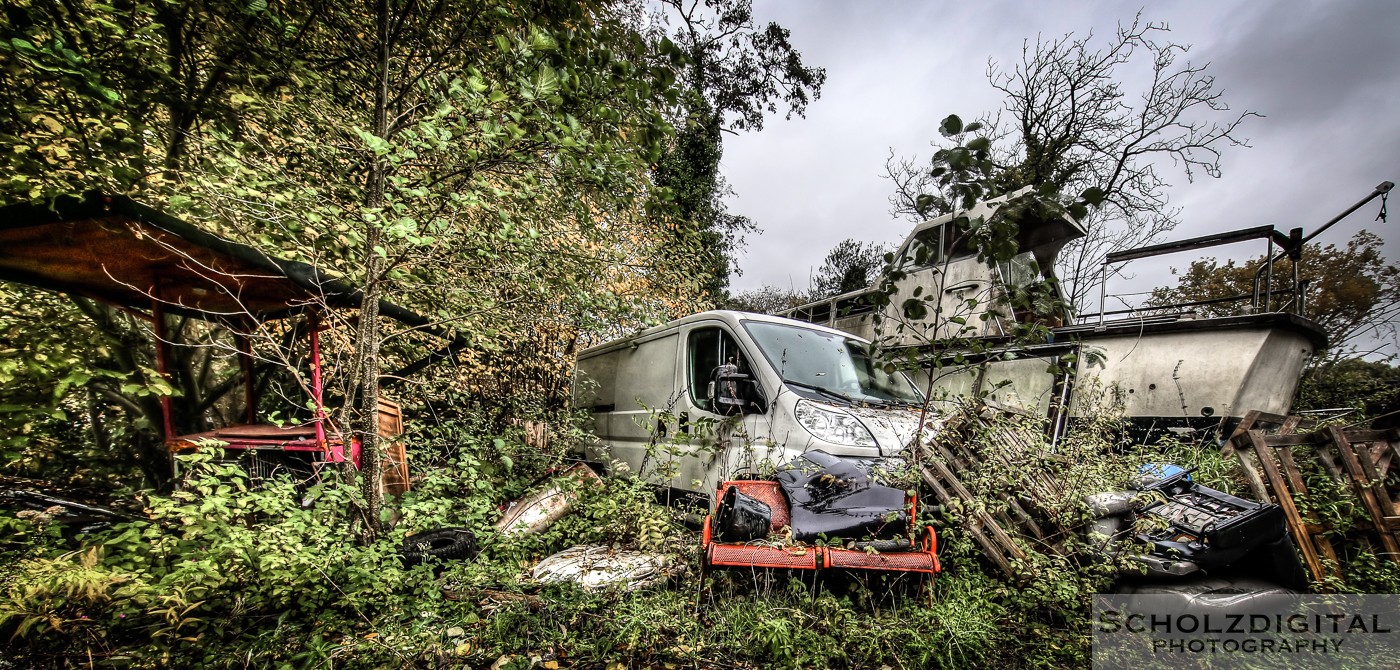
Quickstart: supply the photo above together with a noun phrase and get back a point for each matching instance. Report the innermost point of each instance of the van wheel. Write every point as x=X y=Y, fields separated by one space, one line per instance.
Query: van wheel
x=443 y=543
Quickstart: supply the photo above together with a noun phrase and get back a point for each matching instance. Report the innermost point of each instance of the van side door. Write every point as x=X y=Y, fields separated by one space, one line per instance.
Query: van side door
x=709 y=446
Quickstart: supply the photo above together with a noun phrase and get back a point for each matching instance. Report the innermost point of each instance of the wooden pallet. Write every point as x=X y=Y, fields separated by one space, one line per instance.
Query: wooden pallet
x=1358 y=459
x=999 y=533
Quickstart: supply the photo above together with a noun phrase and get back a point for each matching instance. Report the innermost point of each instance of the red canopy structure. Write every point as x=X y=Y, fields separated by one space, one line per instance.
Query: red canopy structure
x=149 y=264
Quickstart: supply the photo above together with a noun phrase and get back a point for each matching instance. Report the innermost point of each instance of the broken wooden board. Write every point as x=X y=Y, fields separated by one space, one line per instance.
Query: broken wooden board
x=1357 y=460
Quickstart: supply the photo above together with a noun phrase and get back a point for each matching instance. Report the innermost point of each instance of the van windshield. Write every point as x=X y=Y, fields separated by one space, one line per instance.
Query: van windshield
x=829 y=364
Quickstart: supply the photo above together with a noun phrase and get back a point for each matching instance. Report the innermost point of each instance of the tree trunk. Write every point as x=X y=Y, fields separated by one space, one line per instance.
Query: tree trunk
x=367 y=344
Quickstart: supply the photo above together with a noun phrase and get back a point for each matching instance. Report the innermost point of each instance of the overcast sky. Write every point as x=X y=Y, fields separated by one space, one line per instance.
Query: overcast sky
x=1325 y=75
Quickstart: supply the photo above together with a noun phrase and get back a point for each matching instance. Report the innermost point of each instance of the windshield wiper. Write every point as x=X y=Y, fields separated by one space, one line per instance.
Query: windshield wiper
x=823 y=391
x=837 y=395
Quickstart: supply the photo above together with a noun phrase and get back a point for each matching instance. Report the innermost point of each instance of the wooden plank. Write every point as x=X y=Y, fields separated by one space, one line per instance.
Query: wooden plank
x=1313 y=532
x=1290 y=425
x=1290 y=471
x=1253 y=419
x=1324 y=456
x=970 y=460
x=960 y=460
x=959 y=490
x=1246 y=423
x=390 y=418
x=1380 y=453
x=1027 y=521
x=1247 y=460
x=1287 y=424
x=1361 y=484
x=1290 y=440
x=1368 y=466
x=1285 y=501
x=1365 y=435
x=1324 y=547
x=989 y=548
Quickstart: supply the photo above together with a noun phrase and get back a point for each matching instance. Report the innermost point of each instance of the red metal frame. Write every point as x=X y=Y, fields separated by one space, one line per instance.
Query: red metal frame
x=124 y=254
x=254 y=435
x=162 y=359
x=921 y=558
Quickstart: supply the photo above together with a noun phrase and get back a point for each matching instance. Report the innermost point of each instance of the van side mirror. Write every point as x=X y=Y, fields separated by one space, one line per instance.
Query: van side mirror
x=735 y=394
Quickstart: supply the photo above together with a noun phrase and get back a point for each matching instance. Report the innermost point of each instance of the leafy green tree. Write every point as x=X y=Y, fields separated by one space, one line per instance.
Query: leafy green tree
x=734 y=72
x=697 y=224
x=487 y=165
x=849 y=266
x=768 y=300
x=1353 y=292
x=465 y=140
x=120 y=98
x=1371 y=387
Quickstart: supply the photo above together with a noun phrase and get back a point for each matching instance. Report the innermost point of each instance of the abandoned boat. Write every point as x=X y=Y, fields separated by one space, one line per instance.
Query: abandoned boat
x=1169 y=367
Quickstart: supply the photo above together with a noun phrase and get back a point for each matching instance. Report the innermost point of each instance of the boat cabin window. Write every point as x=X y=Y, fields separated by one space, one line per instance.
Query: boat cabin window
x=1019 y=272
x=707 y=349
x=935 y=245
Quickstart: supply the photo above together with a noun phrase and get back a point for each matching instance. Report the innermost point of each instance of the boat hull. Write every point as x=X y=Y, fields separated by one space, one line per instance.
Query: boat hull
x=1168 y=374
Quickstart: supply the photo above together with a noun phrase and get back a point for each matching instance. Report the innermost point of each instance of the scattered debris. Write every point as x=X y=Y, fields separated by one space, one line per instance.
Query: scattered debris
x=76 y=518
x=538 y=434
x=833 y=498
x=540 y=510
x=597 y=567
x=441 y=543
x=494 y=598
x=1167 y=526
x=545 y=661
x=1207 y=595
x=968 y=439
x=1172 y=527
x=801 y=521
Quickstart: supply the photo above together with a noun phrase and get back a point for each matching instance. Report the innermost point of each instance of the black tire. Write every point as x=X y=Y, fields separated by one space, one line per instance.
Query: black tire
x=441 y=543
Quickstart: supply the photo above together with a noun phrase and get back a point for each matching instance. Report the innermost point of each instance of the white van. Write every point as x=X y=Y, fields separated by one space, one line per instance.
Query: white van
x=722 y=394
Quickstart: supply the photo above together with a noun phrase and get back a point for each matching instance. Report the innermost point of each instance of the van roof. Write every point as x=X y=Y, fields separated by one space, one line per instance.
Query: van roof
x=731 y=317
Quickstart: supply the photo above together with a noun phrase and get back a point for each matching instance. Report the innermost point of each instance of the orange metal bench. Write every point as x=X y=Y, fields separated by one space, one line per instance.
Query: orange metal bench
x=921 y=557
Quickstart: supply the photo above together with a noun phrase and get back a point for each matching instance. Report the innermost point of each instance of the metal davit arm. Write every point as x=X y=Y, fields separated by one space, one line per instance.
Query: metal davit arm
x=1295 y=248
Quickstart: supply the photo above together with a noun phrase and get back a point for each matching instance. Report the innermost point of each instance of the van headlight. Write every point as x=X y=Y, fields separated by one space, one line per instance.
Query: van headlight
x=833 y=425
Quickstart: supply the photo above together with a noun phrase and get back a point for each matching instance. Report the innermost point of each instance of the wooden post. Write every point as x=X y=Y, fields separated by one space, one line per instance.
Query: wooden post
x=245 y=365
x=314 y=325
x=973 y=527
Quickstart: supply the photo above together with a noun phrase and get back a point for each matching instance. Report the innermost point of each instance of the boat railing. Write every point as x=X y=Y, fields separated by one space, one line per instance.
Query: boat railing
x=827 y=311
x=1268 y=295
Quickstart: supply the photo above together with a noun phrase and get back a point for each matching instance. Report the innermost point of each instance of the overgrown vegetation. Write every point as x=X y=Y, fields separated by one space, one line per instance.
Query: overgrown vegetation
x=537 y=176
x=224 y=572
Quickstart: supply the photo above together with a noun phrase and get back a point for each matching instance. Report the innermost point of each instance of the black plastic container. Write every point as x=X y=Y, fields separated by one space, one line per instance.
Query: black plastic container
x=741 y=518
